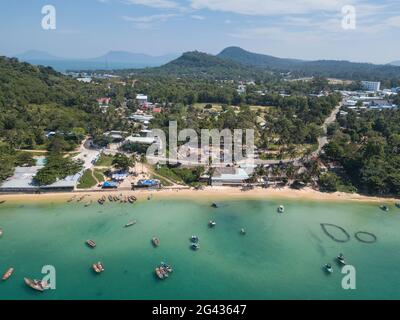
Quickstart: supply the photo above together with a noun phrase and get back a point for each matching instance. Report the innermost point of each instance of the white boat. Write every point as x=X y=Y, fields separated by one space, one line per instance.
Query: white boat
x=195 y=246
x=281 y=209
x=1 y=232
x=212 y=223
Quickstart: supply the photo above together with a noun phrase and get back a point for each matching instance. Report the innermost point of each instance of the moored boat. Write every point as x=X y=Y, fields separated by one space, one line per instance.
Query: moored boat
x=194 y=239
x=91 y=243
x=130 y=223
x=1 y=232
x=214 y=205
x=37 y=285
x=110 y=197
x=8 y=274
x=195 y=246
x=281 y=209
x=98 y=267
x=212 y=223
x=163 y=271
x=384 y=208
x=155 y=241
x=242 y=231
x=398 y=205
x=340 y=259
x=2 y=201
x=328 y=268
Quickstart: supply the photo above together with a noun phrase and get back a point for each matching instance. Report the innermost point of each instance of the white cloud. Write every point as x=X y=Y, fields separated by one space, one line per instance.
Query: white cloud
x=147 y=22
x=164 y=4
x=271 y=7
x=197 y=17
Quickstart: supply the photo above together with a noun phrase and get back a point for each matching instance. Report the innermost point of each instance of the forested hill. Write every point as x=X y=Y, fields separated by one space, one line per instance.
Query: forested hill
x=201 y=65
x=35 y=99
x=325 y=68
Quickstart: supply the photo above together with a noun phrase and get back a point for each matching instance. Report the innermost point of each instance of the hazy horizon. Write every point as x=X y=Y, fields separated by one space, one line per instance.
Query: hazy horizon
x=307 y=29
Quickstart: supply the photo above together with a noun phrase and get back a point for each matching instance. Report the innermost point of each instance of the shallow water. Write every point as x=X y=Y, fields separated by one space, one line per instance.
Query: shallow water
x=280 y=257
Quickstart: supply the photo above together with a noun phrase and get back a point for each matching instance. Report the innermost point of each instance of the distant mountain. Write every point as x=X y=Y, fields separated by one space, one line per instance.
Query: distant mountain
x=326 y=68
x=111 y=60
x=203 y=65
x=395 y=63
x=258 y=60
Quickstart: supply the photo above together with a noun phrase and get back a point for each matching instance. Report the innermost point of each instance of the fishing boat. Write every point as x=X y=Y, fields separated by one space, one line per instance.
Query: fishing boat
x=155 y=241
x=281 y=209
x=214 y=205
x=166 y=267
x=398 y=205
x=212 y=223
x=384 y=208
x=242 y=231
x=340 y=259
x=195 y=246
x=110 y=197
x=91 y=243
x=100 y=201
x=37 y=285
x=163 y=271
x=2 y=201
x=1 y=232
x=130 y=223
x=98 y=267
x=194 y=239
x=8 y=274
x=88 y=204
x=328 y=268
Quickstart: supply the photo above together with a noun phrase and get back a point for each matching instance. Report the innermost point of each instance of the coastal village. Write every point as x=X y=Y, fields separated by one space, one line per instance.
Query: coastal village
x=102 y=172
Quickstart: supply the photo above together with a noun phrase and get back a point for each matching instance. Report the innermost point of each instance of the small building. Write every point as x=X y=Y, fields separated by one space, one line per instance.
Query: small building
x=110 y=185
x=147 y=184
x=229 y=176
x=104 y=104
x=23 y=181
x=141 y=99
x=141 y=118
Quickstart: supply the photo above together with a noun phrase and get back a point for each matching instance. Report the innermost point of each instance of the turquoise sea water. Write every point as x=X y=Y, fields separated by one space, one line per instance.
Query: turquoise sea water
x=280 y=257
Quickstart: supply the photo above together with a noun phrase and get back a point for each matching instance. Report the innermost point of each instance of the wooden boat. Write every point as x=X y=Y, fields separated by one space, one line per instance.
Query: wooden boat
x=163 y=271
x=91 y=243
x=8 y=274
x=214 y=205
x=398 y=205
x=194 y=239
x=100 y=201
x=281 y=209
x=98 y=267
x=89 y=203
x=155 y=241
x=130 y=223
x=37 y=285
x=195 y=246
x=2 y=201
x=110 y=197
x=242 y=231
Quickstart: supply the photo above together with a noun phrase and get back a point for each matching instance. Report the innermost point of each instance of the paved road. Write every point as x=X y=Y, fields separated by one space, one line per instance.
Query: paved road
x=87 y=155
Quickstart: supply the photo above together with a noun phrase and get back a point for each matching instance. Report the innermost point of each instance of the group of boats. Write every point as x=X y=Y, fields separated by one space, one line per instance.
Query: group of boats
x=194 y=243
x=340 y=260
x=117 y=198
x=163 y=271
x=37 y=285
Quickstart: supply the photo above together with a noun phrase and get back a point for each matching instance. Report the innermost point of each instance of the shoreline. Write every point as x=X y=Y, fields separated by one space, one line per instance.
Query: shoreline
x=211 y=193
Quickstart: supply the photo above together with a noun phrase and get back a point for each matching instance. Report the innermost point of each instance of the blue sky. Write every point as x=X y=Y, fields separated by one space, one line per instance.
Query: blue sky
x=307 y=29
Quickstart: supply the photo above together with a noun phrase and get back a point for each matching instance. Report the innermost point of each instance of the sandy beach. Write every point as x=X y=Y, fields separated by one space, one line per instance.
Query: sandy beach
x=211 y=193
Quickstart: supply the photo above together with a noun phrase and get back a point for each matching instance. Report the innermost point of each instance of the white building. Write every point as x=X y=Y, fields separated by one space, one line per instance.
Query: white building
x=229 y=176
x=141 y=99
x=371 y=86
